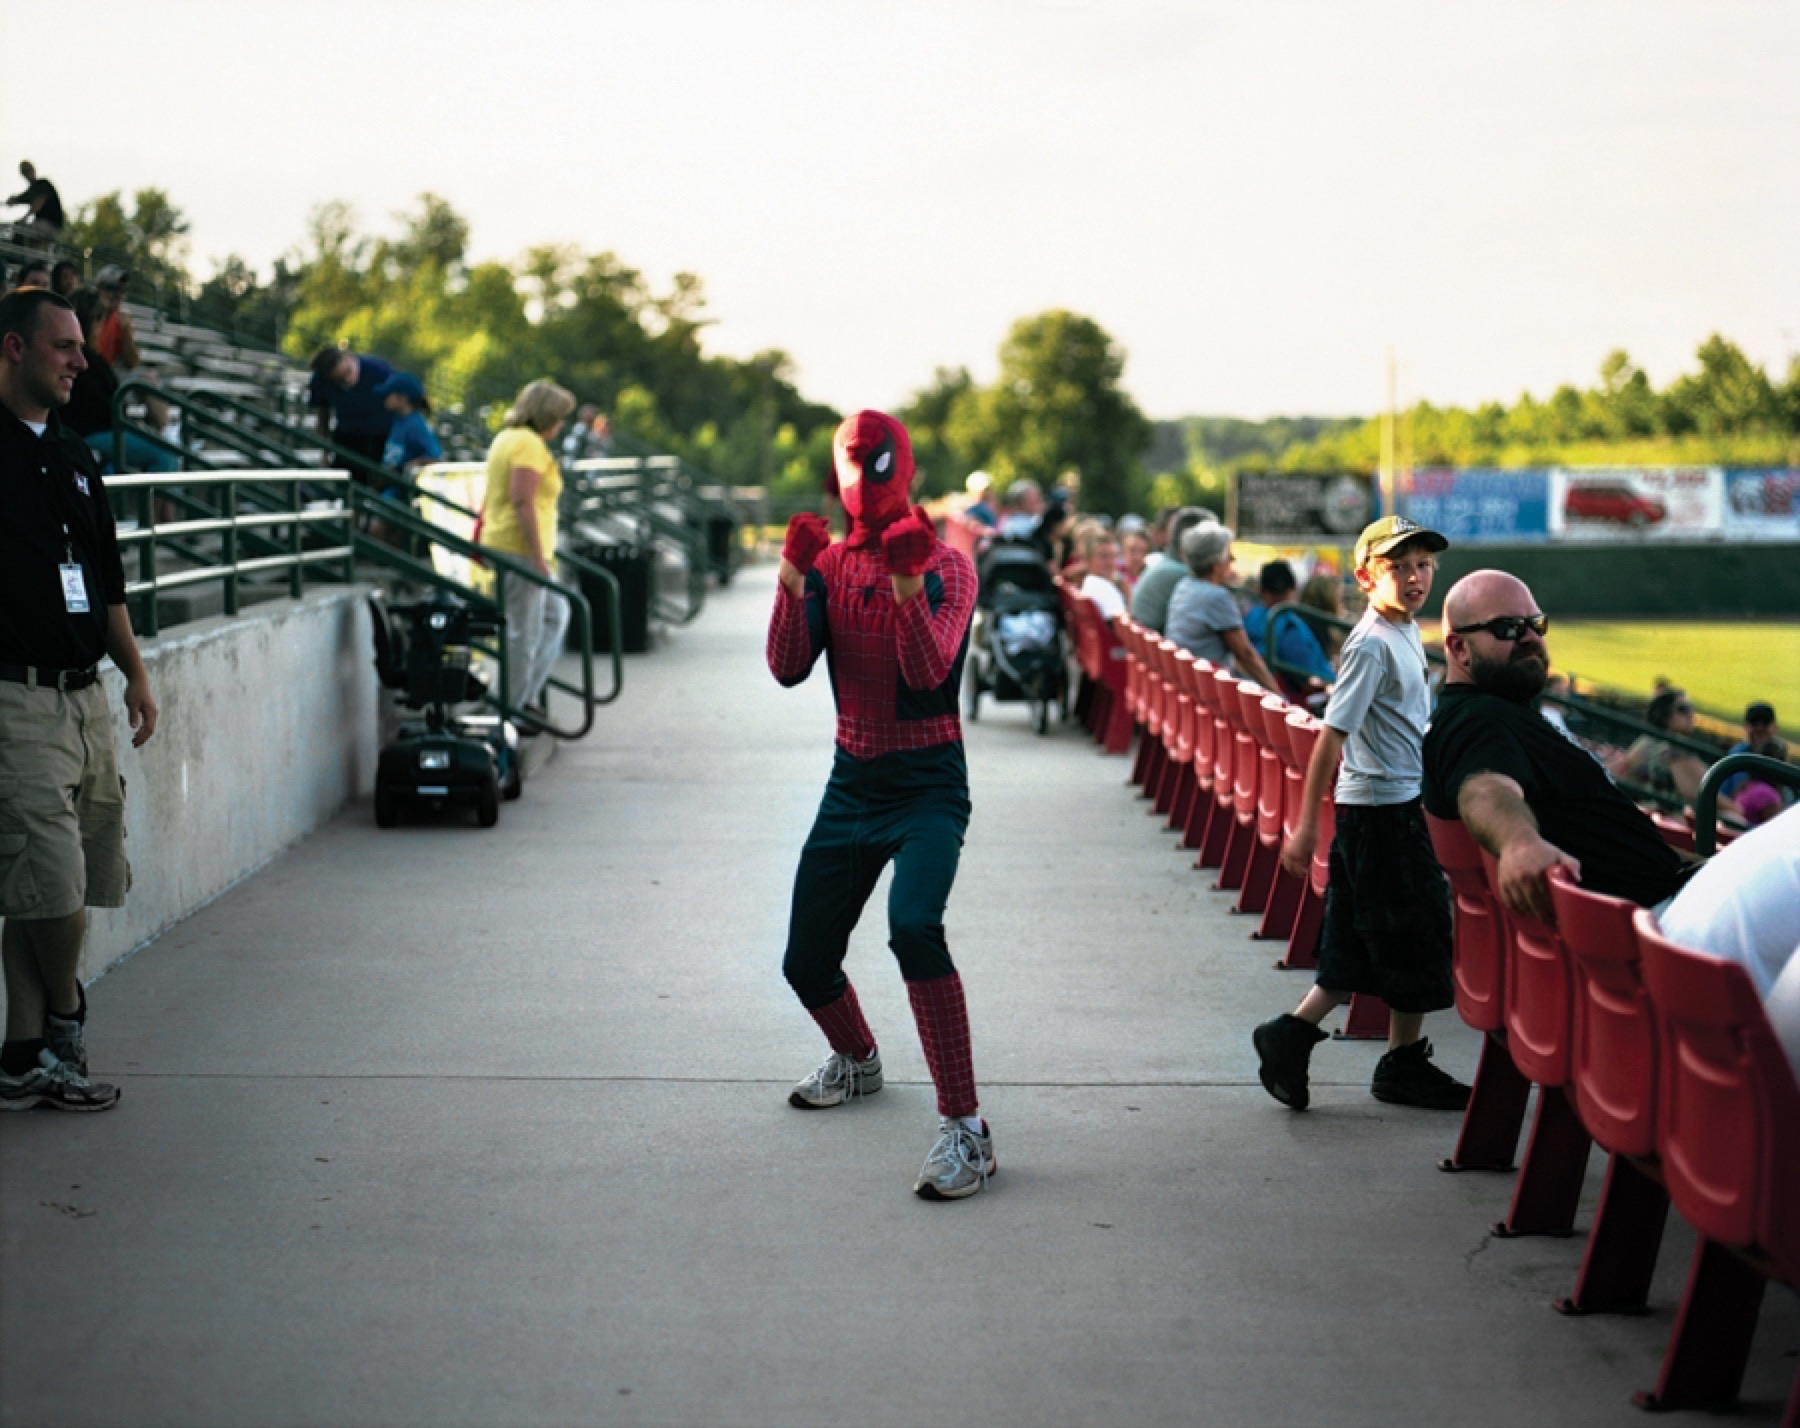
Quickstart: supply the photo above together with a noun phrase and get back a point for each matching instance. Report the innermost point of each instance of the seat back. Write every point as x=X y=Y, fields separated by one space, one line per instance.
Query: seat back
x=1614 y=1049
x=1478 y=965
x=1273 y=757
x=1205 y=675
x=1540 y=992
x=1242 y=700
x=1302 y=735
x=1181 y=746
x=1727 y=1104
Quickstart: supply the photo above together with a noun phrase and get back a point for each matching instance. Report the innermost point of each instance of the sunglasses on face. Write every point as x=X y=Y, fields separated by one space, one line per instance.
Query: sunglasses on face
x=1508 y=627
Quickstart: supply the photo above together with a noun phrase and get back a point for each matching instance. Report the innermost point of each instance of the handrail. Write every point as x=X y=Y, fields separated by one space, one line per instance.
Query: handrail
x=230 y=525
x=1706 y=801
x=233 y=526
x=506 y=567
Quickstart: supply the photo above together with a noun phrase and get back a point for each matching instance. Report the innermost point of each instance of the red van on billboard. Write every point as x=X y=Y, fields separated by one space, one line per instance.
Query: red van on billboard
x=1615 y=502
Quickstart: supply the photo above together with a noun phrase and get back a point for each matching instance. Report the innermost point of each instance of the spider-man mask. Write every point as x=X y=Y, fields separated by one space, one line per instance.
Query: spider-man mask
x=873 y=469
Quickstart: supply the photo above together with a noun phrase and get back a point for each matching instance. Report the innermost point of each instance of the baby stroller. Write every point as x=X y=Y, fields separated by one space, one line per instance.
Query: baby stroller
x=1016 y=650
x=447 y=757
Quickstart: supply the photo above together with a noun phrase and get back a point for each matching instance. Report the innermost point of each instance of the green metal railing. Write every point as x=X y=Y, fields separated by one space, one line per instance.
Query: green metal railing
x=1706 y=802
x=300 y=534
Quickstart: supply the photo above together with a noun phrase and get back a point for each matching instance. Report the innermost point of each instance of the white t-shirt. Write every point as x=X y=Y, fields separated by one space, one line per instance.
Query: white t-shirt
x=1106 y=595
x=1381 y=703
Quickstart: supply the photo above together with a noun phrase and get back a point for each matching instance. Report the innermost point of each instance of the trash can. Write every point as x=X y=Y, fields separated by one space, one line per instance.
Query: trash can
x=721 y=532
x=629 y=564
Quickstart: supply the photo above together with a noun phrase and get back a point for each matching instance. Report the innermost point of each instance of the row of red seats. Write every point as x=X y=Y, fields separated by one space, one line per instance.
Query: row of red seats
x=1224 y=760
x=1664 y=1057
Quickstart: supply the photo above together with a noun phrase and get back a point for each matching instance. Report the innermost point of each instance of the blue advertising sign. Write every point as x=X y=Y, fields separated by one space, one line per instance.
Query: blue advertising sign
x=1762 y=505
x=1480 y=504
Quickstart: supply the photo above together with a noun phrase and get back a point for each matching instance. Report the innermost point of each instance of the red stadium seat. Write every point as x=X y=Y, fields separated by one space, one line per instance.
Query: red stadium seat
x=1613 y=1085
x=1303 y=923
x=1277 y=805
x=1540 y=997
x=1489 y=1137
x=1236 y=695
x=1203 y=682
x=1727 y=1109
x=1303 y=941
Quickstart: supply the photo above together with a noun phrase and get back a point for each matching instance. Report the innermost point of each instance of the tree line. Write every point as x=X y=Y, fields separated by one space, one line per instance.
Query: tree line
x=1058 y=408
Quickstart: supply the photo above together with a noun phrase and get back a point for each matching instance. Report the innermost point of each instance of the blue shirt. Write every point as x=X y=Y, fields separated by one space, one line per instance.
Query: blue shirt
x=410 y=439
x=1298 y=645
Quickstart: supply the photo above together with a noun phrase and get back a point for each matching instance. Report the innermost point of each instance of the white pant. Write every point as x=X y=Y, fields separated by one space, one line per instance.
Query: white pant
x=537 y=619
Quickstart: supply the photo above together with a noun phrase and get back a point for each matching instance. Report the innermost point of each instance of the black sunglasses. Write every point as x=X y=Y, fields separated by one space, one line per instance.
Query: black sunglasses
x=1508 y=627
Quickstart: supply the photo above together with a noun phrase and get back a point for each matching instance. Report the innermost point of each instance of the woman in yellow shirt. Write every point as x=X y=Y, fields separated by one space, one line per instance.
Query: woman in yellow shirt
x=518 y=516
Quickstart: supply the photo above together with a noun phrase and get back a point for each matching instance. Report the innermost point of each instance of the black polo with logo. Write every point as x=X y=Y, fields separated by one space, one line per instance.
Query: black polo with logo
x=53 y=511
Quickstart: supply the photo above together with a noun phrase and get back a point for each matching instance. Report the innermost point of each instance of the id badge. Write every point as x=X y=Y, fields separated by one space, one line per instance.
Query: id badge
x=74 y=589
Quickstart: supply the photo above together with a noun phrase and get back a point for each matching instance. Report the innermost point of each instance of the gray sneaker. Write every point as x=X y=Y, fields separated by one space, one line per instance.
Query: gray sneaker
x=62 y=1035
x=959 y=1163
x=839 y=1079
x=57 y=1085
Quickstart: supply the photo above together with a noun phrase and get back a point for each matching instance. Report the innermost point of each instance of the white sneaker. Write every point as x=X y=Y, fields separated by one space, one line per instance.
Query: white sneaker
x=839 y=1079
x=959 y=1163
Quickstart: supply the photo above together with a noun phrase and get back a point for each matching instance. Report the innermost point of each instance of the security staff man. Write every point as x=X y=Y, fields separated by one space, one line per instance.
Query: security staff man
x=62 y=606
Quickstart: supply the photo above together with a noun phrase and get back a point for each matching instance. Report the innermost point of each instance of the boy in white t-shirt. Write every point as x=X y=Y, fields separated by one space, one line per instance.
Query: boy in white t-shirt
x=1387 y=907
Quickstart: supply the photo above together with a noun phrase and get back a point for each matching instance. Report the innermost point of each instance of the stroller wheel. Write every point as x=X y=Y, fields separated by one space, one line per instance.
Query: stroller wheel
x=487 y=802
x=1040 y=715
x=387 y=807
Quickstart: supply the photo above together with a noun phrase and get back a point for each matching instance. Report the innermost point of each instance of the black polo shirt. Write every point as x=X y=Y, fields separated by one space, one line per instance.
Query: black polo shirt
x=1577 y=806
x=51 y=505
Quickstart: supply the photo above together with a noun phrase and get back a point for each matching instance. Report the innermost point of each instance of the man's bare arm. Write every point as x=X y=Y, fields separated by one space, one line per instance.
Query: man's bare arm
x=1493 y=809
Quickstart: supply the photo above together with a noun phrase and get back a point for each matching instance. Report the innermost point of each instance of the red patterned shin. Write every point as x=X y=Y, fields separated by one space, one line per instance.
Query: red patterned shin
x=844 y=1027
x=943 y=1019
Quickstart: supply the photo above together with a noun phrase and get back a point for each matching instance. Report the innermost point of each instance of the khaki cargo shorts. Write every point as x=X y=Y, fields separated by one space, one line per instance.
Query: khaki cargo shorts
x=62 y=804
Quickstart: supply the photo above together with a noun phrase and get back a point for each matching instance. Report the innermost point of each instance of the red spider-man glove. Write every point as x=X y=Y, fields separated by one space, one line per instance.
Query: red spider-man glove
x=907 y=544
x=807 y=538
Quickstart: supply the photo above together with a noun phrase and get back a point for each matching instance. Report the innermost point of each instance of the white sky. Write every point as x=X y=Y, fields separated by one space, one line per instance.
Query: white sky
x=1258 y=199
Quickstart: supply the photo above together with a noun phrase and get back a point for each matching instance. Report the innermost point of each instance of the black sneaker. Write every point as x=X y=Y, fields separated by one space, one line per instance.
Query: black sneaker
x=1285 y=1046
x=1406 y=1077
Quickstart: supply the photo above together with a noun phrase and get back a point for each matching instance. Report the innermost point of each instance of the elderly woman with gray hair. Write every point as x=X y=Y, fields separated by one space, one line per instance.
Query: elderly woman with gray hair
x=518 y=516
x=1203 y=614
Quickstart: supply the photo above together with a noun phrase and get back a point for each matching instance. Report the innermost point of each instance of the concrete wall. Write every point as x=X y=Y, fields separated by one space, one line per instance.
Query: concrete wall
x=267 y=727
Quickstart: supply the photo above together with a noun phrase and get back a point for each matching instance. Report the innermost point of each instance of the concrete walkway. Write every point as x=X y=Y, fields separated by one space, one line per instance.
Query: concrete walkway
x=441 y=1126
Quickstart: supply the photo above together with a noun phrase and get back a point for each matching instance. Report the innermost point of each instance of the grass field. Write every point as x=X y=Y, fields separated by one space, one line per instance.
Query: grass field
x=1723 y=667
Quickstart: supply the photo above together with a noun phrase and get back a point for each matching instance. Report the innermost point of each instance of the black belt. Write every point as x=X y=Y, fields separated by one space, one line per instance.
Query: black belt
x=63 y=679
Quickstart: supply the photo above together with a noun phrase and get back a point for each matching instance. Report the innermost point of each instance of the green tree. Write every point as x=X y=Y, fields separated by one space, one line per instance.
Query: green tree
x=149 y=239
x=1729 y=394
x=1058 y=407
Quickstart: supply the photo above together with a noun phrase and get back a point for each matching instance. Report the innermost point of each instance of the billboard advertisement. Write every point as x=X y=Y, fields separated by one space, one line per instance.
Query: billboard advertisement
x=1274 y=507
x=1476 y=504
x=1762 y=505
x=1636 y=503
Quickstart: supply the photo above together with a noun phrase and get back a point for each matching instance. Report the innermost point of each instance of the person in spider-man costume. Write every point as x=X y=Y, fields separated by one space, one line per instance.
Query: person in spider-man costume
x=889 y=608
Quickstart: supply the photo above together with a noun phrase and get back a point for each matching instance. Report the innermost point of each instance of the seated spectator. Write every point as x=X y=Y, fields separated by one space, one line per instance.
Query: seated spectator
x=1022 y=508
x=33 y=273
x=1134 y=554
x=980 y=487
x=65 y=278
x=1150 y=600
x=1275 y=584
x=1100 y=556
x=115 y=336
x=1204 y=618
x=1664 y=767
x=1526 y=794
x=1324 y=591
x=89 y=414
x=1744 y=906
x=1759 y=799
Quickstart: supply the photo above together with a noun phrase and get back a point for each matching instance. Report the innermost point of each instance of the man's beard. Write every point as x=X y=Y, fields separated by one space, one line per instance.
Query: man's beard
x=1520 y=677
